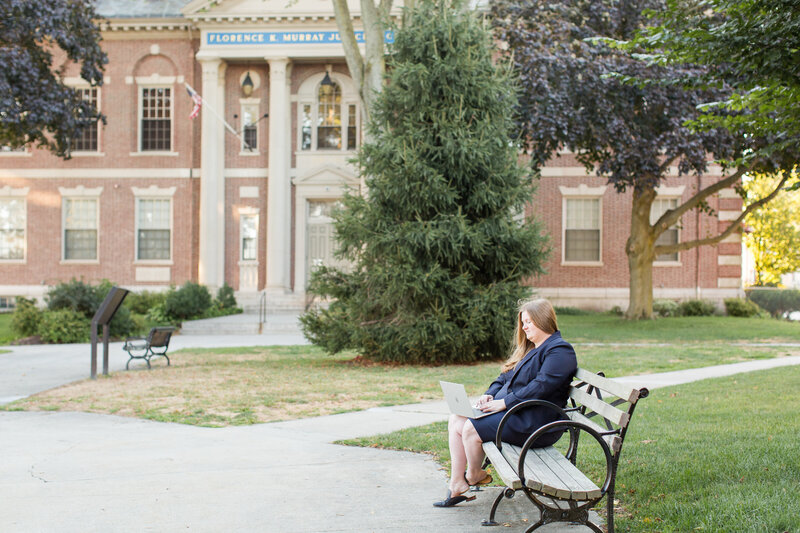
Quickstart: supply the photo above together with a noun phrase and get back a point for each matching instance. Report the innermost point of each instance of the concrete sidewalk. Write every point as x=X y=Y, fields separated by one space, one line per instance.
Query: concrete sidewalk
x=83 y=472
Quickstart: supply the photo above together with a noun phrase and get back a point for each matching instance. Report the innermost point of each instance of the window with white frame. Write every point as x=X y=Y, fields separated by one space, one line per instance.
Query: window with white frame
x=12 y=228
x=330 y=122
x=8 y=303
x=153 y=229
x=5 y=149
x=582 y=242
x=155 y=119
x=250 y=127
x=80 y=228
x=670 y=235
x=87 y=139
x=352 y=133
x=329 y=117
x=248 y=229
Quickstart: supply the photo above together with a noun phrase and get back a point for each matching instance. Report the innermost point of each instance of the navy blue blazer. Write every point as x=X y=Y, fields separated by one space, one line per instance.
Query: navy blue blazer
x=545 y=373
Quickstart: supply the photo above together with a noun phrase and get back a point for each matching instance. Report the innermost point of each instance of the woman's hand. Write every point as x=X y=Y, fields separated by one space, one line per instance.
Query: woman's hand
x=483 y=400
x=493 y=406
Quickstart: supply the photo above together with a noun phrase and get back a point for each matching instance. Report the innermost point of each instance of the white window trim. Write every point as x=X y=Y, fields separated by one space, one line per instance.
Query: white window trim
x=250 y=102
x=139 y=91
x=22 y=153
x=307 y=95
x=79 y=192
x=580 y=192
x=72 y=82
x=248 y=211
x=154 y=193
x=21 y=192
x=670 y=193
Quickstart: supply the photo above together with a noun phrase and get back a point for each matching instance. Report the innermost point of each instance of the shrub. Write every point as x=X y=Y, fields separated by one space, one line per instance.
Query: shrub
x=225 y=298
x=142 y=302
x=572 y=311
x=696 y=308
x=776 y=301
x=158 y=314
x=26 y=317
x=77 y=296
x=85 y=300
x=665 y=308
x=63 y=326
x=123 y=323
x=191 y=300
x=741 y=307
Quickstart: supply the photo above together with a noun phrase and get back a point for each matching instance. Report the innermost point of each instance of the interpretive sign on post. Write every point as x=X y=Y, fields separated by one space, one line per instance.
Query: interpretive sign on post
x=103 y=317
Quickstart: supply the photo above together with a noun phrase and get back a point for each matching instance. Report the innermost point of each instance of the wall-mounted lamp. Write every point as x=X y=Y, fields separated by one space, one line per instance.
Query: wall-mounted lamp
x=247 y=85
x=327 y=84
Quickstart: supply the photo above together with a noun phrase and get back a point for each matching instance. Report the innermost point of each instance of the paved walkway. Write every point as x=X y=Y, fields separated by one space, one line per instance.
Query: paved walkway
x=82 y=472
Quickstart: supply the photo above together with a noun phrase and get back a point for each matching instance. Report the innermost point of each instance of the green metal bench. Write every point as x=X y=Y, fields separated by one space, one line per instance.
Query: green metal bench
x=599 y=407
x=155 y=344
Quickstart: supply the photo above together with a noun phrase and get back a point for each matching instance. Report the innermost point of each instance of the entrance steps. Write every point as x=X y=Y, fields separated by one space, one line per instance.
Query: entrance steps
x=245 y=324
x=274 y=302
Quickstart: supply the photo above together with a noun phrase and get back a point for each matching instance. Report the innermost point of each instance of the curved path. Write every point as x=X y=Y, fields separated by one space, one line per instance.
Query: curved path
x=78 y=472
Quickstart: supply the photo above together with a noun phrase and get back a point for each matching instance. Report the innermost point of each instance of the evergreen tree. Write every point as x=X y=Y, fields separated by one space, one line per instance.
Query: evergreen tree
x=438 y=246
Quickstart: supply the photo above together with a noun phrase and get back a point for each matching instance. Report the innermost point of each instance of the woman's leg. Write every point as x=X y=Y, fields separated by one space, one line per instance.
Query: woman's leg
x=458 y=456
x=473 y=449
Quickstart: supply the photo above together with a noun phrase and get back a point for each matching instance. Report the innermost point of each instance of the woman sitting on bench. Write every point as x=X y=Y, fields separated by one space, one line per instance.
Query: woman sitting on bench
x=541 y=367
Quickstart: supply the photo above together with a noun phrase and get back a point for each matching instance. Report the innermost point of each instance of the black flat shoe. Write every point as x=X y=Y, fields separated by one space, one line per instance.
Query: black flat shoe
x=451 y=500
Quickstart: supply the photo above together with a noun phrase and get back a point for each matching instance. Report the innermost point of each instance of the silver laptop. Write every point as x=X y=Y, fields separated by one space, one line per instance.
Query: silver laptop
x=457 y=400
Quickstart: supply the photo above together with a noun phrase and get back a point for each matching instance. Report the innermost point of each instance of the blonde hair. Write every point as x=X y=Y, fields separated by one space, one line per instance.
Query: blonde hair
x=543 y=316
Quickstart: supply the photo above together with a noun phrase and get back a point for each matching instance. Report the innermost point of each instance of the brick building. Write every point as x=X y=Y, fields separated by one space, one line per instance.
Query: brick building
x=154 y=198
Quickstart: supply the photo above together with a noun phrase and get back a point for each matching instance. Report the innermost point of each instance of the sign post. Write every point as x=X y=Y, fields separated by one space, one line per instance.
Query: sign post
x=103 y=317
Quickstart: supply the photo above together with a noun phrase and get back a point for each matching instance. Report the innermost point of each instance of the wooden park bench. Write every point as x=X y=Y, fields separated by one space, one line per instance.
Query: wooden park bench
x=155 y=344
x=598 y=406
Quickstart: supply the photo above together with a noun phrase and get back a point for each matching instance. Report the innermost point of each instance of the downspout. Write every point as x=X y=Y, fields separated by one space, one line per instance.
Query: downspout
x=697 y=250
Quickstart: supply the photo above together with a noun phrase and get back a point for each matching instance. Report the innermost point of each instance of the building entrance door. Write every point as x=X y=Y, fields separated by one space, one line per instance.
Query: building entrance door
x=320 y=236
x=248 y=258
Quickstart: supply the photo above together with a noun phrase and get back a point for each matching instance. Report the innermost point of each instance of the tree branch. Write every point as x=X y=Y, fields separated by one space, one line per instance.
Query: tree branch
x=672 y=216
x=351 y=52
x=666 y=249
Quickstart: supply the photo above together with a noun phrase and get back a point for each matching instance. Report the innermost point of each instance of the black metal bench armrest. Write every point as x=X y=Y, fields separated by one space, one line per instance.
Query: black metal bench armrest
x=524 y=405
x=573 y=428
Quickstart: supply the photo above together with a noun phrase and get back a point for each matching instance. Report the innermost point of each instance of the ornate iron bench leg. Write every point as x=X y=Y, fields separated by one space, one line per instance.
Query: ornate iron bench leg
x=506 y=492
x=610 y=507
x=575 y=515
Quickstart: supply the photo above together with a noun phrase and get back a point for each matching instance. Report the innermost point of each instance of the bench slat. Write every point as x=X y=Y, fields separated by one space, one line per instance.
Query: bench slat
x=600 y=407
x=540 y=476
x=582 y=487
x=535 y=476
x=619 y=390
x=506 y=472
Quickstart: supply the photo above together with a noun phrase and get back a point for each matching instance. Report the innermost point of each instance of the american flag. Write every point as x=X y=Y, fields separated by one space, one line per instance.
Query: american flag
x=198 y=102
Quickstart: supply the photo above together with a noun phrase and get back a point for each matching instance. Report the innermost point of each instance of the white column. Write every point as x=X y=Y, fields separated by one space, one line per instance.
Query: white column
x=212 y=184
x=278 y=190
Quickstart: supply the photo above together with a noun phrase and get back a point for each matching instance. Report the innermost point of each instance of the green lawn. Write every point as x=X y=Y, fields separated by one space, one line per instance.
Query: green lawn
x=716 y=455
x=605 y=327
x=6 y=335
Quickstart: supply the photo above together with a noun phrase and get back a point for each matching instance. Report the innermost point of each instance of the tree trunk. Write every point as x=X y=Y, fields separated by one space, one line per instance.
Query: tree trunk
x=640 y=256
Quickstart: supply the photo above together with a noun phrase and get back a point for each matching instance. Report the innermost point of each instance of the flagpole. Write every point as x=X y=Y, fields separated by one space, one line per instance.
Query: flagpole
x=213 y=112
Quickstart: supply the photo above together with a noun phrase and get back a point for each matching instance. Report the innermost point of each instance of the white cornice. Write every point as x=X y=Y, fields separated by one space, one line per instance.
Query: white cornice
x=146 y=24
x=582 y=190
x=8 y=190
x=153 y=191
x=80 y=190
x=102 y=173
